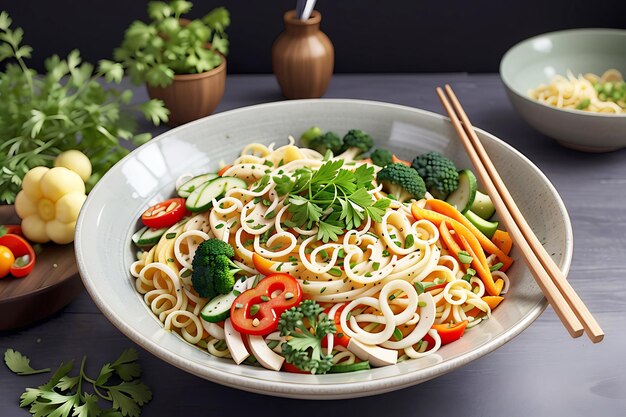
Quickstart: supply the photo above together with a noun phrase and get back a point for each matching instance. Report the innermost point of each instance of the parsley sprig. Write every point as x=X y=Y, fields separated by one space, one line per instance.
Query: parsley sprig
x=72 y=105
x=332 y=198
x=64 y=395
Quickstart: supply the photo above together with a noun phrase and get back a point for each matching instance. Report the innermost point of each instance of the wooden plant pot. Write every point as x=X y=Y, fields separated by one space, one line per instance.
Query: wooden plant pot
x=303 y=57
x=192 y=96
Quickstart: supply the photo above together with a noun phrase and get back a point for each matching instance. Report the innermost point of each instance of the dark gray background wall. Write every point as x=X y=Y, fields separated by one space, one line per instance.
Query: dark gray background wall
x=369 y=35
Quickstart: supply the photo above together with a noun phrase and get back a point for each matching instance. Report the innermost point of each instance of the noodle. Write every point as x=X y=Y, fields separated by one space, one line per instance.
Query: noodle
x=584 y=92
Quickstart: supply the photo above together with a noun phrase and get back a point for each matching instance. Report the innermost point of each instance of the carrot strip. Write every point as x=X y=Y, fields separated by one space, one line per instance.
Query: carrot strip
x=479 y=262
x=223 y=170
x=502 y=240
x=449 y=241
x=396 y=160
x=449 y=213
x=492 y=301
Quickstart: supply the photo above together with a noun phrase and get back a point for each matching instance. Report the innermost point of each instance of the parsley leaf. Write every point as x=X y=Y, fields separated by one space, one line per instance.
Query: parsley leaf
x=20 y=364
x=63 y=394
x=328 y=231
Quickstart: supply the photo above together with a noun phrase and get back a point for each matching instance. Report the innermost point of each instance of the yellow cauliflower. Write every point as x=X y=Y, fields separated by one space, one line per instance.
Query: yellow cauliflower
x=49 y=204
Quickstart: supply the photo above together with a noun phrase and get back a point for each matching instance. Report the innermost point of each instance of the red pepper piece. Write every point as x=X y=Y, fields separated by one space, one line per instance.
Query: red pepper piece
x=265 y=320
x=14 y=229
x=19 y=247
x=448 y=333
x=340 y=337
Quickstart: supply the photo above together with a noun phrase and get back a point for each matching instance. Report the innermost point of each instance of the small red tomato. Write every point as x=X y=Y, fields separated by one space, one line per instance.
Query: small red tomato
x=165 y=214
x=6 y=261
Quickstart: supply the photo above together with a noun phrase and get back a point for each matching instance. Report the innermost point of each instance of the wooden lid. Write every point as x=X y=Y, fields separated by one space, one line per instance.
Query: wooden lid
x=52 y=284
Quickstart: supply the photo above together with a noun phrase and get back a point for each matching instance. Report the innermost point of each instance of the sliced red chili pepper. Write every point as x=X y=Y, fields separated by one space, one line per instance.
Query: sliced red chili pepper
x=165 y=214
x=256 y=312
x=447 y=332
x=14 y=229
x=20 y=249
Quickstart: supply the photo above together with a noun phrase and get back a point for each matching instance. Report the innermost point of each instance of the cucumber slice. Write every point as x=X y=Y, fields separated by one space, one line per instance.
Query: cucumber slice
x=189 y=186
x=483 y=206
x=202 y=197
x=357 y=366
x=488 y=228
x=147 y=236
x=218 y=309
x=463 y=197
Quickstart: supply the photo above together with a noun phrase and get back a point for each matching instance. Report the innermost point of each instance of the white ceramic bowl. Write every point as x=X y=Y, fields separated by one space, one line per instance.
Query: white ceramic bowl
x=147 y=175
x=537 y=60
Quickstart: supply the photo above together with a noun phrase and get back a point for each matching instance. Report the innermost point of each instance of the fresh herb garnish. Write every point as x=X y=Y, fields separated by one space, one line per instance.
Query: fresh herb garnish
x=63 y=395
x=332 y=198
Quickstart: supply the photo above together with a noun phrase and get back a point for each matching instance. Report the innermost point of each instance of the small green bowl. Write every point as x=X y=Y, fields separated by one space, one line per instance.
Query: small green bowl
x=536 y=60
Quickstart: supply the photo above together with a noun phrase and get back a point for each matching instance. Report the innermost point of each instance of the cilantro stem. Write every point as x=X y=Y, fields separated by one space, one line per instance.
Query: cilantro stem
x=79 y=390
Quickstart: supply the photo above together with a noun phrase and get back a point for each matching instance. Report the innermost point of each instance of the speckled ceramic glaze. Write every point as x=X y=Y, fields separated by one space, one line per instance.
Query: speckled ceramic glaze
x=147 y=175
x=536 y=60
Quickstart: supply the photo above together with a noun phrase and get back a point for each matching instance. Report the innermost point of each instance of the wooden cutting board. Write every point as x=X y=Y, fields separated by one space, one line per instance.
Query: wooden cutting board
x=52 y=284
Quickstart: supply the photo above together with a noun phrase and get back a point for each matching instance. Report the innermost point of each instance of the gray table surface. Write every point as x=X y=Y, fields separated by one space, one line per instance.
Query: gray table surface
x=542 y=372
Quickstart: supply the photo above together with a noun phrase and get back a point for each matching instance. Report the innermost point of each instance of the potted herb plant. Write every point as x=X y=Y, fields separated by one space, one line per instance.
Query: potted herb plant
x=181 y=61
x=71 y=106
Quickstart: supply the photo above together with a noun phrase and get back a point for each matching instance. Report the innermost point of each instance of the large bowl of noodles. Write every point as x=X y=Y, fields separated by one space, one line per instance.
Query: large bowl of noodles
x=539 y=60
x=148 y=174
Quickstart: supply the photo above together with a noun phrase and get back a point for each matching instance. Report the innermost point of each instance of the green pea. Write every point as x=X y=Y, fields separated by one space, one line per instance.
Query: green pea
x=617 y=95
x=602 y=96
x=583 y=104
x=598 y=87
x=608 y=88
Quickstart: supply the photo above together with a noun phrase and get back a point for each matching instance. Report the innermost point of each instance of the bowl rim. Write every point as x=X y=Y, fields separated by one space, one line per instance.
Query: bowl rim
x=312 y=388
x=520 y=44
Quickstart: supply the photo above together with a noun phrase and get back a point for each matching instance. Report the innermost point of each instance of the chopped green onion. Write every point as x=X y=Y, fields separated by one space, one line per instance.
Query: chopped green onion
x=397 y=334
x=421 y=304
x=170 y=235
x=464 y=257
x=322 y=290
x=186 y=274
x=419 y=287
x=409 y=241
x=238 y=305
x=375 y=266
x=336 y=272
x=496 y=267
x=254 y=308
x=236 y=292
x=219 y=226
x=270 y=214
x=265 y=298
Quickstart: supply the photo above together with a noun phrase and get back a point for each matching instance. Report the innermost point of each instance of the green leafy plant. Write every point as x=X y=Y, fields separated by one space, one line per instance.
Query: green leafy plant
x=156 y=51
x=64 y=395
x=71 y=106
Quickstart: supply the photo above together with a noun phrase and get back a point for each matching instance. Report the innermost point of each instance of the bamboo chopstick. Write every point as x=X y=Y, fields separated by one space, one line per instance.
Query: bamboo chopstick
x=567 y=304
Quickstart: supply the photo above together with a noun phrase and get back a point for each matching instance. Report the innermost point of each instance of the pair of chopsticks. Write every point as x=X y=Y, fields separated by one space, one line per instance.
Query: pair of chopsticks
x=562 y=297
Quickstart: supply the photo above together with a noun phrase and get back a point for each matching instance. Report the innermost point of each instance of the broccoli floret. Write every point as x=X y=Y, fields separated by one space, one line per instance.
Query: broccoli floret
x=322 y=142
x=213 y=270
x=305 y=327
x=439 y=173
x=401 y=181
x=355 y=143
x=381 y=157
